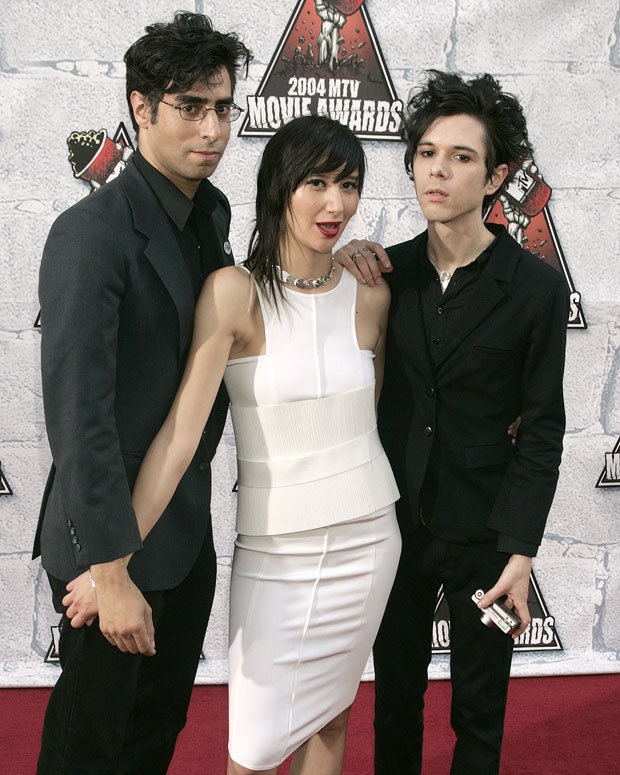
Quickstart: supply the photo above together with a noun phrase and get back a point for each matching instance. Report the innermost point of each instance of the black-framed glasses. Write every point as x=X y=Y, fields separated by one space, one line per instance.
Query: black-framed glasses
x=194 y=111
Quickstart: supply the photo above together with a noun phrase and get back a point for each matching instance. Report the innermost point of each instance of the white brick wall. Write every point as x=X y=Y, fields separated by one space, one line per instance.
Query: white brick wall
x=61 y=69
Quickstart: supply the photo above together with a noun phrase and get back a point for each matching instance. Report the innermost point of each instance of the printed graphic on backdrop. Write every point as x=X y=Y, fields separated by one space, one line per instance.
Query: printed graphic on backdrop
x=96 y=159
x=51 y=654
x=610 y=475
x=5 y=487
x=329 y=62
x=523 y=208
x=541 y=634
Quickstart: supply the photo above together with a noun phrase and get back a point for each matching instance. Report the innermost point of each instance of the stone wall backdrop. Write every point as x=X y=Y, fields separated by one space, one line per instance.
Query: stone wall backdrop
x=61 y=70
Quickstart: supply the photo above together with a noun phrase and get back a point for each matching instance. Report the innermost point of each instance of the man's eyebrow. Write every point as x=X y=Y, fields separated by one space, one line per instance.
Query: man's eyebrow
x=454 y=147
x=195 y=99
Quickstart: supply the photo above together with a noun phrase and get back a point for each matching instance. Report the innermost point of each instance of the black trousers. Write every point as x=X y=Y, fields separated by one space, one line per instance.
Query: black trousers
x=479 y=662
x=113 y=713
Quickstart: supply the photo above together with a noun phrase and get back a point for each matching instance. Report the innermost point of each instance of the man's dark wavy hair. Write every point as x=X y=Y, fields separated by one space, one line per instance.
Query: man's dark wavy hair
x=305 y=146
x=501 y=114
x=174 y=56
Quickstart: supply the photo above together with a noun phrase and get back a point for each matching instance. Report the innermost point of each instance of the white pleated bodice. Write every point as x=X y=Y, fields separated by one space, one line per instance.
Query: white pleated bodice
x=308 y=451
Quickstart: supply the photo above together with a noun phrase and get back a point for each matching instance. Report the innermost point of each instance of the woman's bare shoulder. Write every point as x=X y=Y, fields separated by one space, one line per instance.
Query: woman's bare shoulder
x=375 y=297
x=229 y=282
x=234 y=276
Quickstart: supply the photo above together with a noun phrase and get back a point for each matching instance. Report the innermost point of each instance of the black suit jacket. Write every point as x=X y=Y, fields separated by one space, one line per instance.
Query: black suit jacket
x=117 y=312
x=507 y=360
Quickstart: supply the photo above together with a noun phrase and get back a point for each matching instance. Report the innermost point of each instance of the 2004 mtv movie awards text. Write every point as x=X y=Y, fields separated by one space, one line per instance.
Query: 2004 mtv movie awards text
x=334 y=97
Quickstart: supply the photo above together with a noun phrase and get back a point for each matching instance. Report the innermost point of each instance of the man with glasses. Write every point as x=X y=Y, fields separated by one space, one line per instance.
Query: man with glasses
x=120 y=274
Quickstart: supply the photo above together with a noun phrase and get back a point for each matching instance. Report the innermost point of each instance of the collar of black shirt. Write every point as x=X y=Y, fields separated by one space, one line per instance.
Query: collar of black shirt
x=477 y=264
x=176 y=205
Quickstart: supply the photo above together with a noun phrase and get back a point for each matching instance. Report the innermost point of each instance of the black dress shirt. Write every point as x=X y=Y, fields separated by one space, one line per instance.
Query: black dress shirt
x=442 y=313
x=190 y=220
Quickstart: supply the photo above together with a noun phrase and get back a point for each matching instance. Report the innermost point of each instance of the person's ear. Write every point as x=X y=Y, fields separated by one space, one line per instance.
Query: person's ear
x=497 y=179
x=141 y=109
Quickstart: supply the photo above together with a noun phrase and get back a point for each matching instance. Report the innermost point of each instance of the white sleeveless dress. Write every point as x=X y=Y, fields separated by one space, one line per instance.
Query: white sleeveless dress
x=318 y=543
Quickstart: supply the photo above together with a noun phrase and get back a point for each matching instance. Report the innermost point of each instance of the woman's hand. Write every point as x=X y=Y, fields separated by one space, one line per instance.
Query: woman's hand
x=81 y=601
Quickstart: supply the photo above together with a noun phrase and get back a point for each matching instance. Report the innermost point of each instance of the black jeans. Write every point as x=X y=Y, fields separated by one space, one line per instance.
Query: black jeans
x=113 y=713
x=479 y=661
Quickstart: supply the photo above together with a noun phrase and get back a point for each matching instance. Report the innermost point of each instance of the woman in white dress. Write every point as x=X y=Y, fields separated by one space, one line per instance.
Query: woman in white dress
x=300 y=346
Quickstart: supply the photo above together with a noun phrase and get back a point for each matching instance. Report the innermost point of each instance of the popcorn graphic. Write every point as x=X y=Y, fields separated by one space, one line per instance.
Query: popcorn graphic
x=95 y=158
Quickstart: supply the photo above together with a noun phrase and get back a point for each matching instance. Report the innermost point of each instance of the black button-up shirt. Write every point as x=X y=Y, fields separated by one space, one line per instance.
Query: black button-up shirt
x=190 y=220
x=442 y=314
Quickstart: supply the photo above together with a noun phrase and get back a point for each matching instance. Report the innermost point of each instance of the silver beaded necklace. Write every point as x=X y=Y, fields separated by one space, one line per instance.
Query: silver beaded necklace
x=310 y=282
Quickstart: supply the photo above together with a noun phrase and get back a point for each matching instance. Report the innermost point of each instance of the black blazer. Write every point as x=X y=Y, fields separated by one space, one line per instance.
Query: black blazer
x=117 y=313
x=508 y=360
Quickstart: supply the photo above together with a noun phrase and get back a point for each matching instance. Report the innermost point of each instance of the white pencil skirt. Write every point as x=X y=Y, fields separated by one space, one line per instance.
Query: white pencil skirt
x=304 y=612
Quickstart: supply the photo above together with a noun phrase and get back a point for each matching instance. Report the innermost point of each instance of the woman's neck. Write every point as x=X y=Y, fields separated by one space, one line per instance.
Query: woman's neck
x=302 y=263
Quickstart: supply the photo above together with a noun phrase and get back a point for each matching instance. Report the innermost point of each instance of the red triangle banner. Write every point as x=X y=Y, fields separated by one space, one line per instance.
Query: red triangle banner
x=523 y=208
x=327 y=62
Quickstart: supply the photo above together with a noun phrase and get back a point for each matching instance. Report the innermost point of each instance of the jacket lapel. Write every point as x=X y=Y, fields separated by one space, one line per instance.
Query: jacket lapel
x=492 y=287
x=164 y=254
x=162 y=249
x=407 y=322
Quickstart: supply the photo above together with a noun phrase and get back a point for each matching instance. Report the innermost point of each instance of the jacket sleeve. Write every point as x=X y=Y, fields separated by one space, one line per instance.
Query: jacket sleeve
x=526 y=494
x=81 y=288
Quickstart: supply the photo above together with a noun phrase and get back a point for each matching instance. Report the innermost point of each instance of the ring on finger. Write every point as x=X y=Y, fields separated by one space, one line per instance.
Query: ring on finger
x=356 y=255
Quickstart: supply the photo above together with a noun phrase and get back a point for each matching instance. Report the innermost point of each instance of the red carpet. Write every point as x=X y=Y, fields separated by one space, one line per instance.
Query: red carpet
x=554 y=726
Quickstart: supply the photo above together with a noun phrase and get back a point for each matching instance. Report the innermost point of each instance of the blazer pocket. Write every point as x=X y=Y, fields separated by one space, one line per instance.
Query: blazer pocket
x=491 y=353
x=130 y=457
x=488 y=454
x=132 y=462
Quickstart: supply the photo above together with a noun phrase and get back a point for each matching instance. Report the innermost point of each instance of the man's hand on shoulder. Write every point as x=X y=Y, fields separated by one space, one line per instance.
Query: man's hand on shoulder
x=365 y=260
x=125 y=618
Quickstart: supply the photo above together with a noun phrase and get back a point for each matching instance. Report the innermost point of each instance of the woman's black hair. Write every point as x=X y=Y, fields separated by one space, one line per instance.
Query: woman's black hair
x=305 y=146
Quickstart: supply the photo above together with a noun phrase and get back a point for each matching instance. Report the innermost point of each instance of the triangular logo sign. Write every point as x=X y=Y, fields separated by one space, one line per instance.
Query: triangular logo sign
x=523 y=209
x=327 y=62
x=52 y=651
x=5 y=488
x=541 y=634
x=610 y=475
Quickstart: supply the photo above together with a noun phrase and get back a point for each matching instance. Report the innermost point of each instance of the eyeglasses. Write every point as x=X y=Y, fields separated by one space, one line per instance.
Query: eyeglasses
x=194 y=111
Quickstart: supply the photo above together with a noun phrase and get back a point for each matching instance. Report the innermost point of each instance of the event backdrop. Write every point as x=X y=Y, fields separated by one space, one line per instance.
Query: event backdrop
x=64 y=130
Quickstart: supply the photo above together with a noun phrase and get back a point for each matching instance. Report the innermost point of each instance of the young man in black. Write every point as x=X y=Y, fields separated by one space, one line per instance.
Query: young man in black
x=120 y=274
x=476 y=338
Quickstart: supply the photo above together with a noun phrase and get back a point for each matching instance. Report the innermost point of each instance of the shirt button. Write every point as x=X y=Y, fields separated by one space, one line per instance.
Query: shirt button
x=436 y=340
x=204 y=466
x=428 y=431
x=430 y=392
x=440 y=310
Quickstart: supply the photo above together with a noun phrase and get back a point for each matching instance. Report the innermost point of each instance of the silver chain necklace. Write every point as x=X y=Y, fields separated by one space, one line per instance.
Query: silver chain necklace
x=306 y=284
x=444 y=277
